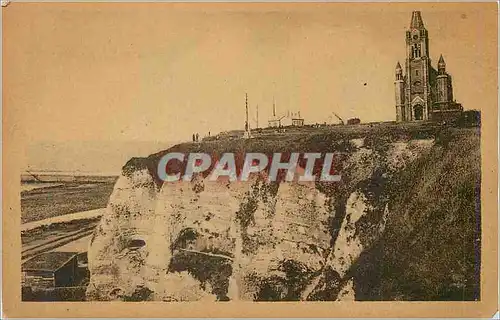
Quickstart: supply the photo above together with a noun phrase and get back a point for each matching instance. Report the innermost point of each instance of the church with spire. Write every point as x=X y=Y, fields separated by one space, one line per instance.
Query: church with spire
x=422 y=92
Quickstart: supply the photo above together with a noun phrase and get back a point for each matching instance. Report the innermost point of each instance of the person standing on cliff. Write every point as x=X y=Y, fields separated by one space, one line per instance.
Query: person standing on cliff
x=194 y=138
x=197 y=136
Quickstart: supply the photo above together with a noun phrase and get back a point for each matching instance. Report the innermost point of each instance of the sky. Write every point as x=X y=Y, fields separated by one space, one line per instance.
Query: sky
x=123 y=72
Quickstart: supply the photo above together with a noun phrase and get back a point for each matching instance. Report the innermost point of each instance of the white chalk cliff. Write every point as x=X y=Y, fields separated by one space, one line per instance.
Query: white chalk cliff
x=253 y=240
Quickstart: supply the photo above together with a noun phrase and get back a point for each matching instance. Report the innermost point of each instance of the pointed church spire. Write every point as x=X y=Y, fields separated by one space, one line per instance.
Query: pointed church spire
x=399 y=72
x=441 y=65
x=441 y=60
x=416 y=21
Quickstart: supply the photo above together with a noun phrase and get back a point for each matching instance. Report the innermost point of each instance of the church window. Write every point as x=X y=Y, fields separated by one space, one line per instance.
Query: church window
x=416 y=50
x=416 y=72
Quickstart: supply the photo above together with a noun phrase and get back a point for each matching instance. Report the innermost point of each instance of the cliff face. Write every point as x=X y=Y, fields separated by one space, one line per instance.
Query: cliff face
x=255 y=240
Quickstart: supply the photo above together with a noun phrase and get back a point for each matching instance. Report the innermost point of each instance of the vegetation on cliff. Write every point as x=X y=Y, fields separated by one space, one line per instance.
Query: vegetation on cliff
x=402 y=224
x=430 y=249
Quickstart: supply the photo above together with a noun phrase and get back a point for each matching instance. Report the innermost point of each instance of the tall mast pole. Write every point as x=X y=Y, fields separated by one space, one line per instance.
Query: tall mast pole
x=257 y=116
x=274 y=107
x=247 y=127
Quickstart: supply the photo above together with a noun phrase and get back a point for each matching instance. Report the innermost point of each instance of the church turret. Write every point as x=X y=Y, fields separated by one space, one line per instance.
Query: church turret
x=444 y=89
x=399 y=87
x=441 y=65
x=399 y=72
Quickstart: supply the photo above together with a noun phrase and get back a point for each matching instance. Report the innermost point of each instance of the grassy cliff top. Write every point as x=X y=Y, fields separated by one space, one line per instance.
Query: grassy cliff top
x=305 y=139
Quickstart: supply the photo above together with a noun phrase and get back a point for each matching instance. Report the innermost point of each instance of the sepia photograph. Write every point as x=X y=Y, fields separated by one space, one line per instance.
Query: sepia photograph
x=282 y=153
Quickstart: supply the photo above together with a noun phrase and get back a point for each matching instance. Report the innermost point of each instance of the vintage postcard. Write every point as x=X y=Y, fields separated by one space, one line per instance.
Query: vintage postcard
x=250 y=159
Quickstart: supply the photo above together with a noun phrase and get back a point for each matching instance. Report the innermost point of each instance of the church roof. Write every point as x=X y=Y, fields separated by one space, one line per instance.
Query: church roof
x=416 y=20
x=398 y=66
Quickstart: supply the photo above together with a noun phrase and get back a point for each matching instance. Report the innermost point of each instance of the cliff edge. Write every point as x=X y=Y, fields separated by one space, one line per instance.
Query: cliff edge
x=403 y=223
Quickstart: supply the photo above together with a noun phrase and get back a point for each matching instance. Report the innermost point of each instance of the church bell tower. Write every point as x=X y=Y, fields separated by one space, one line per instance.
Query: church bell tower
x=418 y=91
